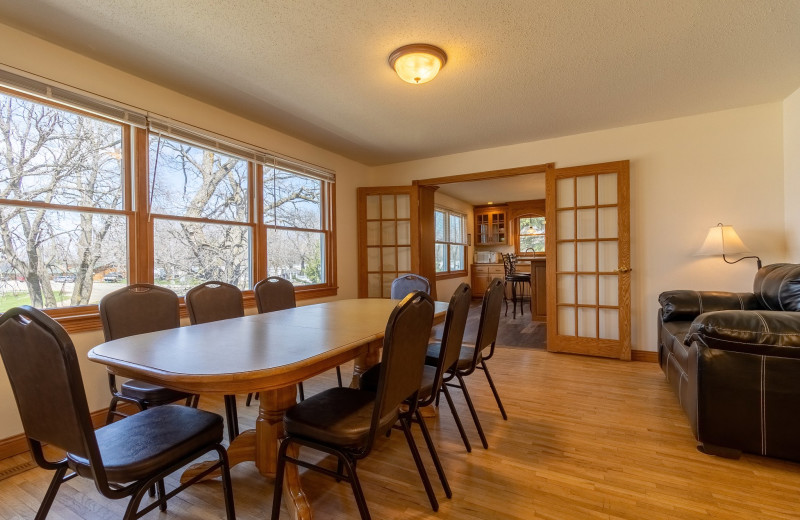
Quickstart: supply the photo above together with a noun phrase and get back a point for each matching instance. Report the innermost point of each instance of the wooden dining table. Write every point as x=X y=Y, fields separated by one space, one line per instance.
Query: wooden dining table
x=267 y=353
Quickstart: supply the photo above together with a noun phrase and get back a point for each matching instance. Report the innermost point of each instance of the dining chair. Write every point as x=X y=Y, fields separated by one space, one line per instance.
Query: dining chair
x=455 y=322
x=214 y=301
x=138 y=309
x=344 y=422
x=125 y=458
x=276 y=294
x=407 y=284
x=518 y=281
x=472 y=358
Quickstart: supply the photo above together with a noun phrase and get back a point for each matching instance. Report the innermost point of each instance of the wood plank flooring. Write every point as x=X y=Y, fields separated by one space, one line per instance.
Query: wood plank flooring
x=586 y=438
x=512 y=332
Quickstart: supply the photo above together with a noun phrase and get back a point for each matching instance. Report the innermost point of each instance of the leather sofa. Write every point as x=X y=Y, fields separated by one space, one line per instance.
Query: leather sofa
x=733 y=360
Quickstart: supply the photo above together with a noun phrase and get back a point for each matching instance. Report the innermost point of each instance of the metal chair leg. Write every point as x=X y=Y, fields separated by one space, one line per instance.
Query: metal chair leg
x=279 y=471
x=418 y=461
x=231 y=417
x=434 y=455
x=301 y=391
x=160 y=493
x=472 y=410
x=494 y=390
x=460 y=426
x=339 y=376
x=52 y=490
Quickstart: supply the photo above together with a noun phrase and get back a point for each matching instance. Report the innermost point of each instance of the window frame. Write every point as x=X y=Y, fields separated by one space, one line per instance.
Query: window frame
x=140 y=222
x=443 y=275
x=518 y=231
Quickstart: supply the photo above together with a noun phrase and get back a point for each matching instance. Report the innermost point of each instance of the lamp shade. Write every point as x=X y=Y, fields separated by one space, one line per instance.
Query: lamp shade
x=722 y=240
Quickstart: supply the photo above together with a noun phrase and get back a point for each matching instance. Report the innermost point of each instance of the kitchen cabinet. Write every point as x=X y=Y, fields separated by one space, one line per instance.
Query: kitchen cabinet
x=491 y=226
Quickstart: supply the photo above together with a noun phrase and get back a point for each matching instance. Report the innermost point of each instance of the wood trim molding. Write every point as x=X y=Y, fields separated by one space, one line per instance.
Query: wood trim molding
x=482 y=176
x=18 y=444
x=455 y=274
x=648 y=356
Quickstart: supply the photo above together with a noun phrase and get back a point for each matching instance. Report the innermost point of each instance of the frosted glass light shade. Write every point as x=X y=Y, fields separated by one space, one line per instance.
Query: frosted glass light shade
x=722 y=240
x=417 y=63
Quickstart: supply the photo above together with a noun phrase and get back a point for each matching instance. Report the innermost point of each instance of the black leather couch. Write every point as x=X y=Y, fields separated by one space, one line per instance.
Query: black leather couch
x=733 y=360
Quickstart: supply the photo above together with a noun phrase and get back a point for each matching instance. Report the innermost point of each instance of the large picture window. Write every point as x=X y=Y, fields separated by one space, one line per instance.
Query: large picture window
x=63 y=225
x=450 y=241
x=90 y=203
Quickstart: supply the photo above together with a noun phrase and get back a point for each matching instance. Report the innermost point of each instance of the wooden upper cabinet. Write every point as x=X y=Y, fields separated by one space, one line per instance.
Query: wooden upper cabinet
x=491 y=225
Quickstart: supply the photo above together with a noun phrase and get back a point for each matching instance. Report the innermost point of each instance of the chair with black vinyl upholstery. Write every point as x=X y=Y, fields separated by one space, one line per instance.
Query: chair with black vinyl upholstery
x=125 y=458
x=344 y=422
x=214 y=301
x=407 y=284
x=433 y=375
x=138 y=309
x=276 y=294
x=473 y=358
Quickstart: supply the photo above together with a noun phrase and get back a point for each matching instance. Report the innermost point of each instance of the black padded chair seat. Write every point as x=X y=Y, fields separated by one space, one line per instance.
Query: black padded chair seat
x=153 y=394
x=150 y=441
x=518 y=277
x=464 y=357
x=336 y=416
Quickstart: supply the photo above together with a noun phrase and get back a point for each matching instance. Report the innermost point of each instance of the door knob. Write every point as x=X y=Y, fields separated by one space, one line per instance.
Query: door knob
x=623 y=270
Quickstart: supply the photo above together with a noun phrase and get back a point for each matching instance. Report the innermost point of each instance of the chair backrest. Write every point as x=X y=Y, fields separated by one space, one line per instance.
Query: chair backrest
x=455 y=322
x=490 y=317
x=214 y=301
x=274 y=294
x=409 y=283
x=45 y=377
x=405 y=343
x=508 y=265
x=137 y=309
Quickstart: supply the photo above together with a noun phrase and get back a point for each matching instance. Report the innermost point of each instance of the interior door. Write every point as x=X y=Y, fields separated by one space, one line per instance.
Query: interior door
x=388 y=237
x=588 y=260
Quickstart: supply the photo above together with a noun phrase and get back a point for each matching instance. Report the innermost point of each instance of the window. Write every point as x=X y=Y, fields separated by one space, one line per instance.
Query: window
x=296 y=220
x=63 y=223
x=531 y=235
x=451 y=241
x=200 y=212
x=90 y=203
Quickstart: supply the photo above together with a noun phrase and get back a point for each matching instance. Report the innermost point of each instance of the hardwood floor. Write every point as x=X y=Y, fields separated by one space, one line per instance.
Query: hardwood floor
x=586 y=438
x=512 y=332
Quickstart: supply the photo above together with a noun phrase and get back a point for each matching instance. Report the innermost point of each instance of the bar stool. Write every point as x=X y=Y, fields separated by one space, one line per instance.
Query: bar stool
x=518 y=281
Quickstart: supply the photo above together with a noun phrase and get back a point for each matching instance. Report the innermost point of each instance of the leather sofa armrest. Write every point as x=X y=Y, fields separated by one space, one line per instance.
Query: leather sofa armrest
x=684 y=305
x=766 y=333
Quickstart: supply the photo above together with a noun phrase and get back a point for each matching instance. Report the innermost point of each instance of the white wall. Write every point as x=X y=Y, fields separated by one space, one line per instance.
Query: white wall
x=36 y=56
x=687 y=174
x=791 y=168
x=446 y=288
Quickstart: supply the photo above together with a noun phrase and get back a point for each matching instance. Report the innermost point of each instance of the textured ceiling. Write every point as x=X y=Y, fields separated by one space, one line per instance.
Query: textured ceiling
x=507 y=189
x=518 y=70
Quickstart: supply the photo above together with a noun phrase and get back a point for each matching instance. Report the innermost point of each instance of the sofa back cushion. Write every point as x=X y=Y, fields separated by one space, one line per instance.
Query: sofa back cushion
x=685 y=305
x=770 y=333
x=777 y=287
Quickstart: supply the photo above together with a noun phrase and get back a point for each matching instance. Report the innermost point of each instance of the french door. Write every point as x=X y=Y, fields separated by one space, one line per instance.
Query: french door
x=588 y=260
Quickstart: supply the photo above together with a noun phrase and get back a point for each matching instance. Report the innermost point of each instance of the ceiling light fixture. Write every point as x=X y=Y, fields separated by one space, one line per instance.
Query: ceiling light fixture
x=417 y=63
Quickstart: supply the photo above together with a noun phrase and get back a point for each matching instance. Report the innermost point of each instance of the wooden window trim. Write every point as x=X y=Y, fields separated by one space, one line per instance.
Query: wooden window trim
x=135 y=208
x=444 y=275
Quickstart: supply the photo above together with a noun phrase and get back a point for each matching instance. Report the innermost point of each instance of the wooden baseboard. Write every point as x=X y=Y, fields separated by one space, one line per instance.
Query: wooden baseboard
x=649 y=356
x=18 y=444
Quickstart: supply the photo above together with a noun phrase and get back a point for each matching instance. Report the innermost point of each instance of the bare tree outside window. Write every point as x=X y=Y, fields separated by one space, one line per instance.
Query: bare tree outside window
x=51 y=256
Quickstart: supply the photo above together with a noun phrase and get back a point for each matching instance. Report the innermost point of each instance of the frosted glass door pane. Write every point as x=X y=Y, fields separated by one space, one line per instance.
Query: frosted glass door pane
x=373 y=207
x=566 y=321
x=387 y=206
x=607 y=188
x=566 y=288
x=403 y=233
x=587 y=323
x=587 y=289
x=607 y=225
x=586 y=223
x=373 y=233
x=586 y=254
x=388 y=278
x=609 y=290
x=586 y=190
x=388 y=233
x=566 y=225
x=404 y=259
x=374 y=286
x=609 y=324
x=608 y=260
x=403 y=206
x=565 y=193
x=566 y=256
x=389 y=262
x=373 y=259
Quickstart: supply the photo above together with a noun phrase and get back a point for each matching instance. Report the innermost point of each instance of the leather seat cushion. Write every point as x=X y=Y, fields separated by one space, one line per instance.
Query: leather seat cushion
x=145 y=443
x=464 y=357
x=770 y=333
x=673 y=335
x=369 y=380
x=151 y=393
x=337 y=416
